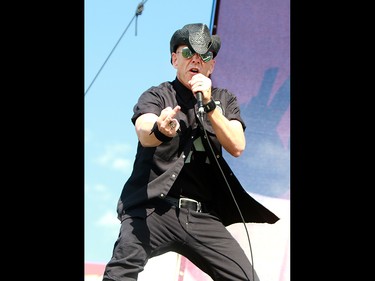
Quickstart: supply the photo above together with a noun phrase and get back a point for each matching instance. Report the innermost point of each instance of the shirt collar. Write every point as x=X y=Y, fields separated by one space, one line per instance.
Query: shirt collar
x=182 y=92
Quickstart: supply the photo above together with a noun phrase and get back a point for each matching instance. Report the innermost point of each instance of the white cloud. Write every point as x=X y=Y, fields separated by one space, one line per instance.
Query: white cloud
x=122 y=164
x=101 y=188
x=114 y=157
x=108 y=219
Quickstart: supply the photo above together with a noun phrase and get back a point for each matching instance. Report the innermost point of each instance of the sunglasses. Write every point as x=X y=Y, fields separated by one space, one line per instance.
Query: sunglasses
x=187 y=54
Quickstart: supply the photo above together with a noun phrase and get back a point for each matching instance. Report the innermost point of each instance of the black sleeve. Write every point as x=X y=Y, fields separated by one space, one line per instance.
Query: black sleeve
x=149 y=102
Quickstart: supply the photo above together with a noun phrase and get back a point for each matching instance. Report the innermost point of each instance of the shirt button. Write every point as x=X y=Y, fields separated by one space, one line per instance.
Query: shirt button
x=173 y=176
x=162 y=195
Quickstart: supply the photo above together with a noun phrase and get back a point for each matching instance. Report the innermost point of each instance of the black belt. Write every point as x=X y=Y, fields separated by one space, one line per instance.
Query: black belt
x=185 y=203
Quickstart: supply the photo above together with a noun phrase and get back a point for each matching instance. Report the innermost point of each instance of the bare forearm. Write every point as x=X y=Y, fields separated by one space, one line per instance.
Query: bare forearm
x=143 y=127
x=152 y=130
x=229 y=133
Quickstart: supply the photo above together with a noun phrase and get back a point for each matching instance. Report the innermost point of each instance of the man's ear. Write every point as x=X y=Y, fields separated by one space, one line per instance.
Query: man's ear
x=212 y=67
x=174 y=60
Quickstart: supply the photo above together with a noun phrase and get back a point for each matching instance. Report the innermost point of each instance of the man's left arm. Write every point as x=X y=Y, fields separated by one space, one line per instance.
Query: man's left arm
x=230 y=133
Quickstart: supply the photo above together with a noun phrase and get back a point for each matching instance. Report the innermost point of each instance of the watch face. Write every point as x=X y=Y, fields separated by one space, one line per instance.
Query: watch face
x=218 y=106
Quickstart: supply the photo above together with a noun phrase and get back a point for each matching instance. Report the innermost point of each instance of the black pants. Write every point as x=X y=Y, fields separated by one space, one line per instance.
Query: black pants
x=200 y=237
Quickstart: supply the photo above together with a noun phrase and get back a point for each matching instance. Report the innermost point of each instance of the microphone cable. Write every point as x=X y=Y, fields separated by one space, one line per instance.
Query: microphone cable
x=200 y=117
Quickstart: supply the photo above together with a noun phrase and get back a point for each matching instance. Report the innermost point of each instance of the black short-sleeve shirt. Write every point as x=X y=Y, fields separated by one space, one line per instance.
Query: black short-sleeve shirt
x=156 y=169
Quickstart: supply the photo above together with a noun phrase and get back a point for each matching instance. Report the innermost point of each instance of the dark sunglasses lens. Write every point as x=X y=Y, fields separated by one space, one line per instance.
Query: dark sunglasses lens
x=186 y=53
x=207 y=56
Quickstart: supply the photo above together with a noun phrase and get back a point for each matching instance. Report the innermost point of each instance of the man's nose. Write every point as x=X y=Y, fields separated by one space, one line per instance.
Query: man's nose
x=197 y=58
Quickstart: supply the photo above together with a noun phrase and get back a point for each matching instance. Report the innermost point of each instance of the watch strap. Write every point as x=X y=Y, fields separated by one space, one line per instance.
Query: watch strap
x=209 y=106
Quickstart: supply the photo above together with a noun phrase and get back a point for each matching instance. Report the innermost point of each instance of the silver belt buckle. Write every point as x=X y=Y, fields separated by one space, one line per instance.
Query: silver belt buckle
x=199 y=206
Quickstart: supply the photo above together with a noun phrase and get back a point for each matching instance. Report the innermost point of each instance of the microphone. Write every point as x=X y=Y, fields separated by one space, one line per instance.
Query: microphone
x=199 y=96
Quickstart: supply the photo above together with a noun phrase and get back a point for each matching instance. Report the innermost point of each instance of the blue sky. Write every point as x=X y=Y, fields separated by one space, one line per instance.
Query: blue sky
x=137 y=62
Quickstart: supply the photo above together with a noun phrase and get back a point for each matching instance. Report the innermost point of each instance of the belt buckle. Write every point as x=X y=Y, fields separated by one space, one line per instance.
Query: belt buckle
x=198 y=204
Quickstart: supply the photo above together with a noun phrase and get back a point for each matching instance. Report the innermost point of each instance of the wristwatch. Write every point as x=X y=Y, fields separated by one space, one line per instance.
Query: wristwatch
x=209 y=106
